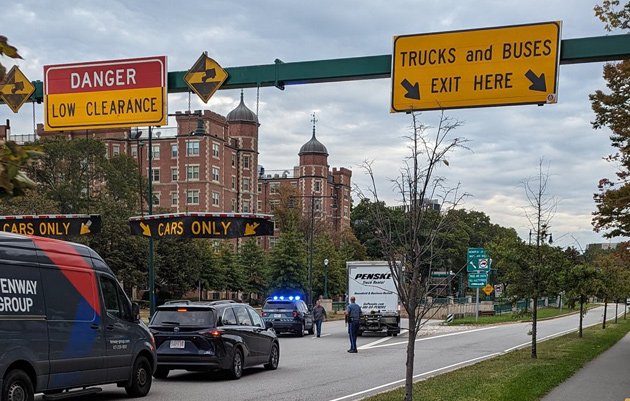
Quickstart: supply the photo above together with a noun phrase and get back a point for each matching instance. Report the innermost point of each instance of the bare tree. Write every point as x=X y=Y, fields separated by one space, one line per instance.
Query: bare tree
x=413 y=241
x=540 y=211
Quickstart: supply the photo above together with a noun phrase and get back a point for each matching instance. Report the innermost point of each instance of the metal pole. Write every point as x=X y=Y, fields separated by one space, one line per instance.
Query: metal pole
x=150 y=207
x=326 y=278
x=310 y=251
x=477 y=307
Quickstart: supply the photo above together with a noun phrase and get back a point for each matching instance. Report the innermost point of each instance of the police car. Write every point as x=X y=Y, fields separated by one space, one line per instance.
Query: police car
x=288 y=314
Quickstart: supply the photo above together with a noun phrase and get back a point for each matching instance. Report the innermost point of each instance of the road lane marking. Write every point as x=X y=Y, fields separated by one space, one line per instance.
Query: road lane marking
x=322 y=335
x=431 y=338
x=430 y=372
x=380 y=340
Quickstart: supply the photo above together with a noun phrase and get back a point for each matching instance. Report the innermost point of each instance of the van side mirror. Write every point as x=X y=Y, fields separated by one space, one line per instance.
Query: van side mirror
x=135 y=312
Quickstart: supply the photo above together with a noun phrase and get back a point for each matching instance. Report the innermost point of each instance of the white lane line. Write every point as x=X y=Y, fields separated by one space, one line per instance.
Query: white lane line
x=431 y=338
x=322 y=335
x=430 y=372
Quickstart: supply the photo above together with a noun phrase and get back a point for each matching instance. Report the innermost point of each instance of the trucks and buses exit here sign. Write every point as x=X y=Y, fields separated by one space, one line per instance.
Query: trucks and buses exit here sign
x=105 y=94
x=483 y=67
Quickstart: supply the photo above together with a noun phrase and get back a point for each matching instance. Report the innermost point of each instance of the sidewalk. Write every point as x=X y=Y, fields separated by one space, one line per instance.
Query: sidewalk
x=605 y=378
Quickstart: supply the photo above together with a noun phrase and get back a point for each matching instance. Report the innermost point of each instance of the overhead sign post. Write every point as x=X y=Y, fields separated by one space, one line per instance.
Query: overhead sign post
x=205 y=77
x=105 y=94
x=54 y=225
x=16 y=89
x=202 y=225
x=472 y=68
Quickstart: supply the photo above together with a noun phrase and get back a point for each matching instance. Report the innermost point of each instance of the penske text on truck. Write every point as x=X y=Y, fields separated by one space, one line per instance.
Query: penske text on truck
x=372 y=284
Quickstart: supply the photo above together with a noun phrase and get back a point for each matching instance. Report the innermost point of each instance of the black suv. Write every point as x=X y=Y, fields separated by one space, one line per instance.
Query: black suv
x=288 y=314
x=223 y=335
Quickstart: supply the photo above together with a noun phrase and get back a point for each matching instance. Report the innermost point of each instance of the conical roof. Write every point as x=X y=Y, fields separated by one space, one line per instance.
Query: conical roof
x=242 y=114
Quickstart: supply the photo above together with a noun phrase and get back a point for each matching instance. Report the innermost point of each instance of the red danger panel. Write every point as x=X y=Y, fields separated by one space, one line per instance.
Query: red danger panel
x=149 y=72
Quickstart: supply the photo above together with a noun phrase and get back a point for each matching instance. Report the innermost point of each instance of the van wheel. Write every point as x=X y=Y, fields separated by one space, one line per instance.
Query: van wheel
x=274 y=358
x=140 y=378
x=236 y=370
x=17 y=387
x=161 y=373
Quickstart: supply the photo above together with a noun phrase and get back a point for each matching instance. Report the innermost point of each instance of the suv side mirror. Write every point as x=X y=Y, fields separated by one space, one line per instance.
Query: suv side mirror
x=268 y=324
x=135 y=312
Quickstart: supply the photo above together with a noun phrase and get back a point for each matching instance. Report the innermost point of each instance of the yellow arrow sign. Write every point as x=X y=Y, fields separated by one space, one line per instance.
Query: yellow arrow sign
x=146 y=230
x=16 y=89
x=85 y=227
x=483 y=67
x=205 y=77
x=250 y=229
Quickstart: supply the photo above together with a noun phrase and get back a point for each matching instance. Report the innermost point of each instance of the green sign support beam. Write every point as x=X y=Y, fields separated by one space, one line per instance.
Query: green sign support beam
x=279 y=74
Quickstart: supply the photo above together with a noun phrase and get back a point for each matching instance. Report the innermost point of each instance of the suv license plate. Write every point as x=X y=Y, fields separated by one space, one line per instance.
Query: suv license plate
x=177 y=343
x=277 y=315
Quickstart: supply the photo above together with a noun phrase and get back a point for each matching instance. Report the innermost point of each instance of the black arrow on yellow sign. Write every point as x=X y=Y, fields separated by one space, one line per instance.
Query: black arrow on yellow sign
x=205 y=77
x=16 y=89
x=413 y=91
x=538 y=82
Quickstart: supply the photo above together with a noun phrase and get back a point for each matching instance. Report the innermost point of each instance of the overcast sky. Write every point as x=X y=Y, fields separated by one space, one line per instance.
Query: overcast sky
x=354 y=121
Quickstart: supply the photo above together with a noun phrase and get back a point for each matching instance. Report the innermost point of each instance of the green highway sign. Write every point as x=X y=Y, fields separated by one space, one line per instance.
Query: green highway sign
x=477 y=280
x=477 y=260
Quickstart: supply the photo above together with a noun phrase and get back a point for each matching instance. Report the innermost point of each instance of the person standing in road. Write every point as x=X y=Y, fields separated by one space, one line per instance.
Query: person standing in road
x=353 y=315
x=319 y=315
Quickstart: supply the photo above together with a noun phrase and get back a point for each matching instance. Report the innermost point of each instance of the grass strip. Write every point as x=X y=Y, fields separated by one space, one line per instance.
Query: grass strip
x=516 y=376
x=543 y=313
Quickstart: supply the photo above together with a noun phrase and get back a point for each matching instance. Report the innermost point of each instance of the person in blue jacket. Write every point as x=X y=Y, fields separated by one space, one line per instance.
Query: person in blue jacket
x=353 y=314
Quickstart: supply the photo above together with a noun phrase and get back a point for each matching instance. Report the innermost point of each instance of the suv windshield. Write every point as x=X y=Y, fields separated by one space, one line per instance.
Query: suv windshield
x=271 y=305
x=183 y=317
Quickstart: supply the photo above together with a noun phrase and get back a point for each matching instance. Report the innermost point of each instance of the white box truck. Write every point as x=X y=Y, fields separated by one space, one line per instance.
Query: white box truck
x=372 y=284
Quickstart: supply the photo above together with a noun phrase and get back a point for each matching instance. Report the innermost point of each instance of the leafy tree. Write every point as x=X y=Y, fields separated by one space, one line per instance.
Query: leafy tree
x=252 y=261
x=365 y=227
x=611 y=111
x=287 y=263
x=579 y=281
x=234 y=275
x=31 y=202
x=178 y=264
x=324 y=249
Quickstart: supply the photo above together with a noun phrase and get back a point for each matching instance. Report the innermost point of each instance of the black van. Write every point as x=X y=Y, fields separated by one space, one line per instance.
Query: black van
x=65 y=323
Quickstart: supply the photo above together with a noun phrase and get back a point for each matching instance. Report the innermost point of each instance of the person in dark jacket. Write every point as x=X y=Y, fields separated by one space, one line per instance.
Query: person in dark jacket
x=353 y=316
x=319 y=315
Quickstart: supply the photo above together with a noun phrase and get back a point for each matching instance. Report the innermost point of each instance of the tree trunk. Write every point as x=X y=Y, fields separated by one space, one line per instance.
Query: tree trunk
x=534 y=328
x=411 y=346
x=581 y=314
x=605 y=309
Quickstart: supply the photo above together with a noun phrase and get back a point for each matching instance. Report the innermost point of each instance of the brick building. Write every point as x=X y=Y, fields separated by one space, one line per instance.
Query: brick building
x=209 y=163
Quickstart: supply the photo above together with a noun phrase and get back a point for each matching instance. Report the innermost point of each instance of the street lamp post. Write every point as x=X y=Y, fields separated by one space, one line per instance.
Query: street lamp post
x=150 y=207
x=326 y=278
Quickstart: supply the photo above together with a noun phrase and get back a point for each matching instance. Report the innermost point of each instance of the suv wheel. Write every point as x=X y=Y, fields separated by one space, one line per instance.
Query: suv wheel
x=274 y=358
x=311 y=329
x=140 y=378
x=17 y=387
x=301 y=332
x=161 y=373
x=236 y=371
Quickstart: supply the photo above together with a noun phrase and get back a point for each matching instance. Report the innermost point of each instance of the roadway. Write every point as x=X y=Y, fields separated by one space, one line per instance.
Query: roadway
x=320 y=368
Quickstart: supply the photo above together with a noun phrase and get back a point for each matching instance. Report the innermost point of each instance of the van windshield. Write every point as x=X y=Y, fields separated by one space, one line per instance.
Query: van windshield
x=183 y=318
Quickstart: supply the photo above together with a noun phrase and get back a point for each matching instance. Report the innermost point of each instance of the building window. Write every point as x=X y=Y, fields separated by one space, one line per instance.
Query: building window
x=155 y=174
x=246 y=162
x=234 y=205
x=246 y=208
x=192 y=172
x=192 y=197
x=174 y=198
x=134 y=151
x=318 y=186
x=346 y=212
x=259 y=187
x=317 y=204
x=192 y=148
x=259 y=206
x=174 y=174
x=215 y=199
x=215 y=150
x=274 y=204
x=233 y=182
x=156 y=152
x=173 y=150
x=156 y=199
x=215 y=174
x=115 y=150
x=273 y=187
x=245 y=184
x=233 y=160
